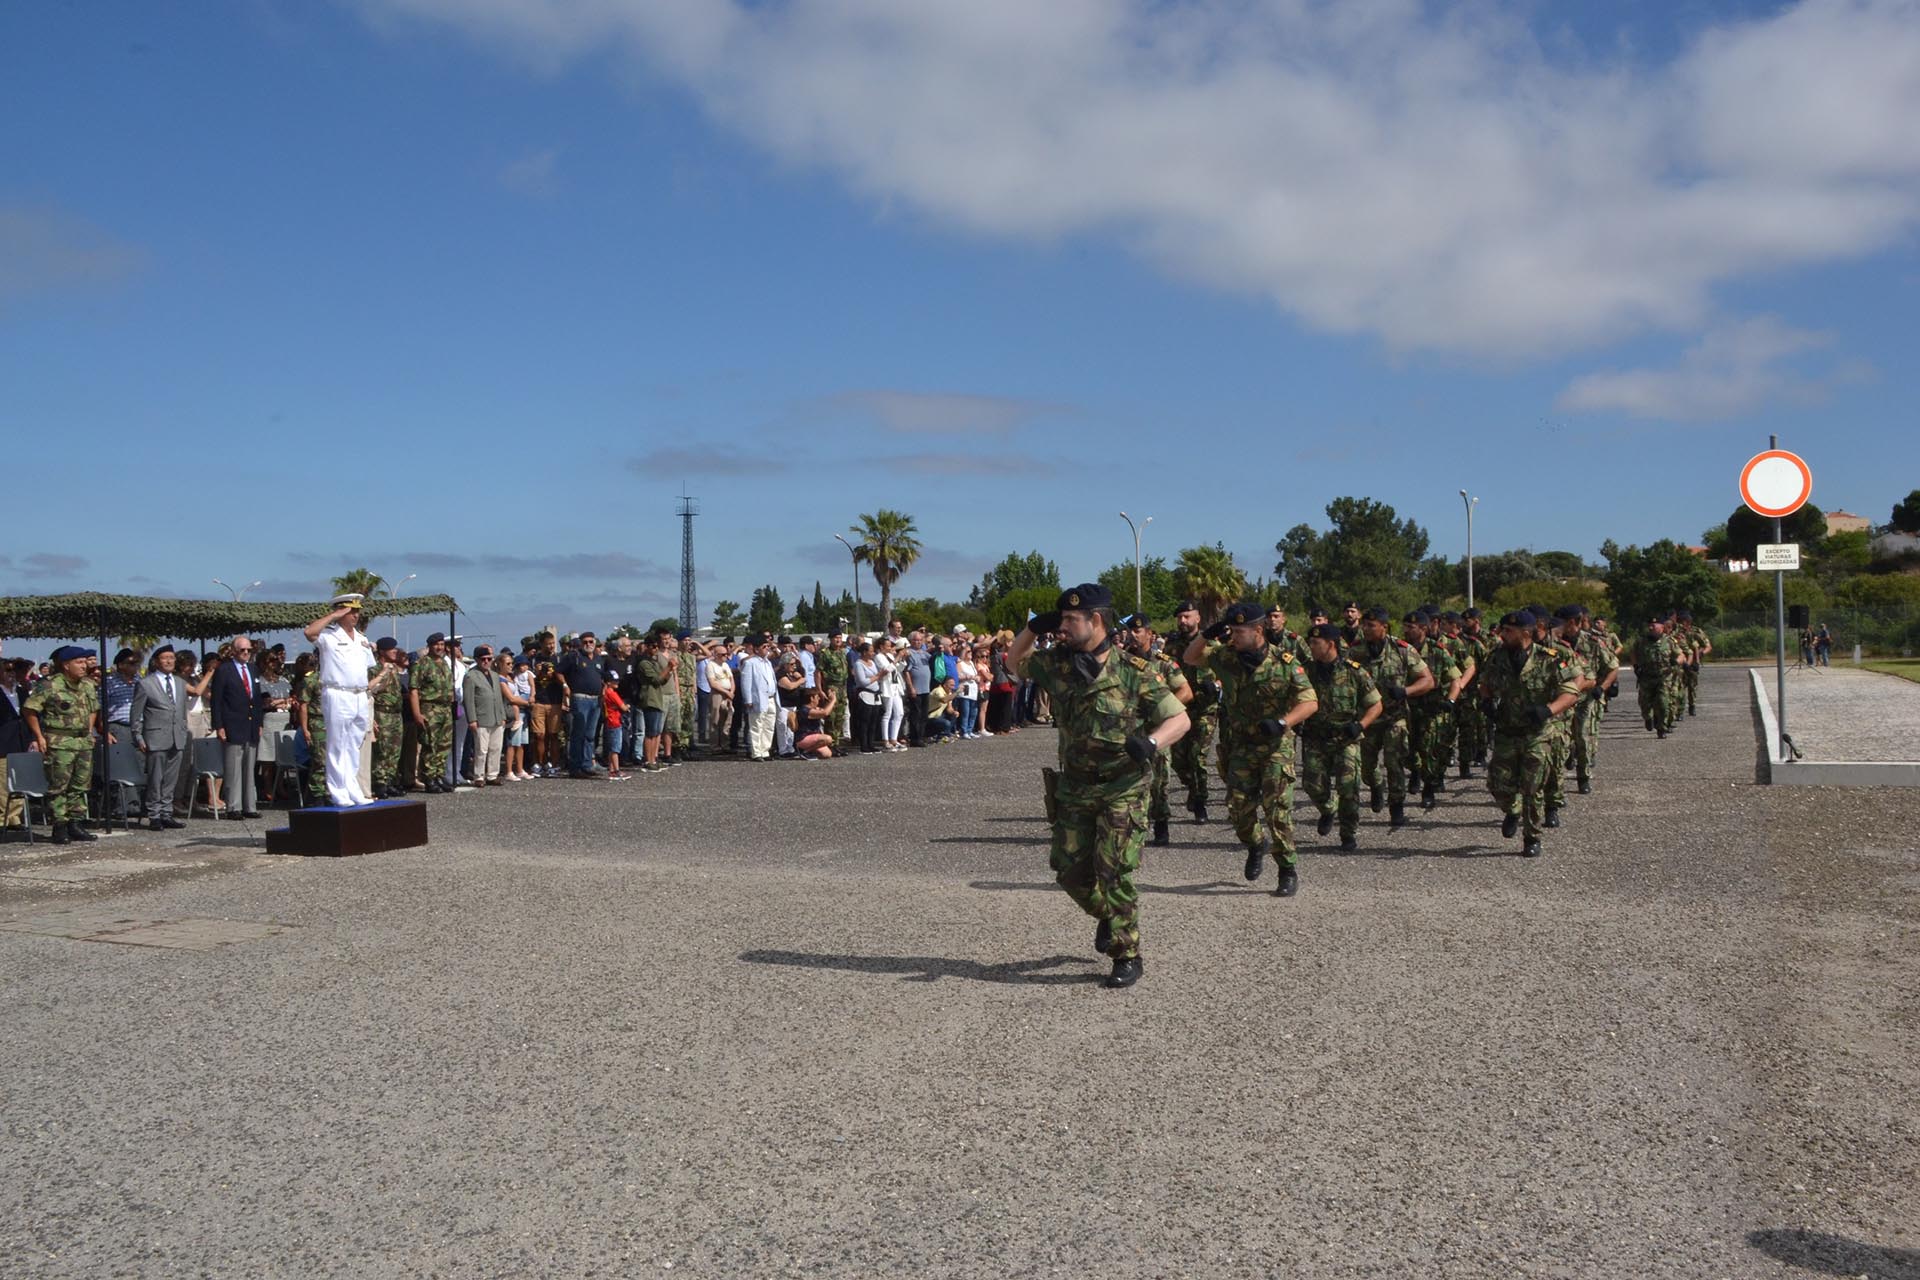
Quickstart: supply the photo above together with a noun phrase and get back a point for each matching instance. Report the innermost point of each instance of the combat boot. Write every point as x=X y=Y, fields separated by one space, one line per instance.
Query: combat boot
x=60 y=833
x=1256 y=859
x=1553 y=817
x=1661 y=731
x=1440 y=783
x=1426 y=797
x=1531 y=849
x=79 y=834
x=1160 y=836
x=1348 y=844
x=1509 y=825
x=1374 y=799
x=1585 y=787
x=1325 y=824
x=1396 y=816
x=1200 y=813
x=1466 y=768
x=1289 y=882
x=1125 y=972
x=1103 y=937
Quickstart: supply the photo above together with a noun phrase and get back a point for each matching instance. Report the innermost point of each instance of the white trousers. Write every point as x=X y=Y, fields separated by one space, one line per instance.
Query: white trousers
x=486 y=752
x=892 y=717
x=349 y=713
x=760 y=730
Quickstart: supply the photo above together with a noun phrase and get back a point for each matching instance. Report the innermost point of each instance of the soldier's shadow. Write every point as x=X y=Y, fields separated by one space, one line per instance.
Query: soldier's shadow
x=934 y=968
x=1039 y=840
x=1457 y=851
x=1211 y=889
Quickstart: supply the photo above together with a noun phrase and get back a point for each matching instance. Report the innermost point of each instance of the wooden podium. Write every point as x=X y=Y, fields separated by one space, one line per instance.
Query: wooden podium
x=330 y=832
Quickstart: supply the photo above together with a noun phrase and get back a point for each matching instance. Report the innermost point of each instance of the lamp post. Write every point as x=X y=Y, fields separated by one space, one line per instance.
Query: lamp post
x=241 y=592
x=1471 y=503
x=393 y=595
x=856 y=584
x=1136 y=554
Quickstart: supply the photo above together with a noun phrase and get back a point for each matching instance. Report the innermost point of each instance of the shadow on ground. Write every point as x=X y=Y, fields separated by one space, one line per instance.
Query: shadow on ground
x=1215 y=889
x=1836 y=1255
x=934 y=968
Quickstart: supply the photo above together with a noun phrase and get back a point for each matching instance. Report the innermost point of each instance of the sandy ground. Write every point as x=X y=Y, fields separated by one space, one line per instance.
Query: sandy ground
x=833 y=1020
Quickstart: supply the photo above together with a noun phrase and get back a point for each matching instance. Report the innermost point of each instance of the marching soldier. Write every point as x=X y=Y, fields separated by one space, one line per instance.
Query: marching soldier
x=1430 y=714
x=1351 y=632
x=63 y=721
x=1399 y=674
x=1115 y=714
x=1524 y=686
x=1473 y=720
x=1137 y=633
x=1264 y=692
x=1603 y=666
x=430 y=701
x=1347 y=703
x=1698 y=646
x=1654 y=659
x=1552 y=633
x=1190 y=755
x=388 y=730
x=1279 y=636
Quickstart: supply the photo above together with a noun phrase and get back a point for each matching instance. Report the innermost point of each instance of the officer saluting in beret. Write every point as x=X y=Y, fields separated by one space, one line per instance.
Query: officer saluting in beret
x=1115 y=714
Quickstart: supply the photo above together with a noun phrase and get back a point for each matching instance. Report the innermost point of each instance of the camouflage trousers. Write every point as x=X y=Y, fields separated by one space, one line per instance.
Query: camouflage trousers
x=1430 y=732
x=1260 y=796
x=1690 y=684
x=436 y=740
x=1097 y=837
x=1676 y=696
x=837 y=722
x=1385 y=750
x=1653 y=695
x=1517 y=776
x=1472 y=723
x=689 y=707
x=1331 y=765
x=69 y=764
x=389 y=736
x=1157 y=802
x=1190 y=762
x=1586 y=734
x=1560 y=733
x=317 y=756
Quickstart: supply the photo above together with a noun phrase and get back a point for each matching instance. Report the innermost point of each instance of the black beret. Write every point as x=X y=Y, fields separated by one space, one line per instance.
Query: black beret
x=1470 y=613
x=1452 y=615
x=1567 y=612
x=1324 y=631
x=1135 y=620
x=435 y=638
x=165 y=648
x=67 y=653
x=1415 y=618
x=1539 y=609
x=1185 y=605
x=1376 y=614
x=1685 y=615
x=1244 y=614
x=125 y=655
x=1088 y=596
x=386 y=644
x=1518 y=618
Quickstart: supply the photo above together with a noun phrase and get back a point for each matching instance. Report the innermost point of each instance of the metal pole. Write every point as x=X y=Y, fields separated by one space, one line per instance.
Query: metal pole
x=1136 y=555
x=1779 y=632
x=1470 y=505
x=857 y=632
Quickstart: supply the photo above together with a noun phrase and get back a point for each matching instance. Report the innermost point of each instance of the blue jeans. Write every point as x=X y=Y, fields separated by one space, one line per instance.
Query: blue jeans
x=969 y=714
x=582 y=724
x=613 y=741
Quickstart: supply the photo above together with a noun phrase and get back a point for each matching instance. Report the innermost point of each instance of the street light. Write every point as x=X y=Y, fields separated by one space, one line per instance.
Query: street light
x=857 y=633
x=241 y=592
x=1470 y=503
x=1136 y=554
x=393 y=594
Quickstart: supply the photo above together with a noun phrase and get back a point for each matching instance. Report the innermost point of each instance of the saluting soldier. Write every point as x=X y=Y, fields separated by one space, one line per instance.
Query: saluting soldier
x=687 y=676
x=1264 y=692
x=430 y=700
x=1524 y=686
x=1399 y=674
x=1114 y=714
x=389 y=731
x=1430 y=714
x=63 y=720
x=1347 y=704
x=1137 y=633
x=1191 y=763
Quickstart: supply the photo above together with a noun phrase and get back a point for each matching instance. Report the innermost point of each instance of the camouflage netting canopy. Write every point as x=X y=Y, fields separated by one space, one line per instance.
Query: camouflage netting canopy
x=85 y=614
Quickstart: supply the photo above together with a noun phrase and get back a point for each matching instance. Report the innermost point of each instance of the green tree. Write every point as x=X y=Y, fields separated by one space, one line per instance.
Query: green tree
x=1563 y=564
x=1438 y=579
x=1210 y=577
x=1017 y=573
x=1158 y=590
x=1662 y=576
x=885 y=542
x=1715 y=540
x=727 y=618
x=625 y=630
x=668 y=625
x=1554 y=592
x=1906 y=513
x=1842 y=556
x=363 y=580
x=766 y=612
x=1369 y=554
x=1010 y=611
x=1502 y=569
x=1747 y=528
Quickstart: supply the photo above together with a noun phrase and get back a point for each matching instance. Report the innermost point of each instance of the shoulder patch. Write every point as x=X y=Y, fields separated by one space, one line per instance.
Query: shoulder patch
x=1356 y=666
x=1139 y=663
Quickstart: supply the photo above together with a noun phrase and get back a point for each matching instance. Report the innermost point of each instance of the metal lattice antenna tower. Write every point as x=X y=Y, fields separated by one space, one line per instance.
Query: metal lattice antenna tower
x=689 y=598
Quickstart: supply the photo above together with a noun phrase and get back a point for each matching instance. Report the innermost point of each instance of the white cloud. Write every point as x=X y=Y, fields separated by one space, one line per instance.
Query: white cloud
x=1433 y=177
x=533 y=174
x=1734 y=369
x=42 y=249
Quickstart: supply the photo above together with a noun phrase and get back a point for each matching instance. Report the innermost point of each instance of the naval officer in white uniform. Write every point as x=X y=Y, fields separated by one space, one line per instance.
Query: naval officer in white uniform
x=346 y=656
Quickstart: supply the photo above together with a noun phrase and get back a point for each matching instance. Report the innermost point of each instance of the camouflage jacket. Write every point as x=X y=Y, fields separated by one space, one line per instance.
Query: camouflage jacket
x=1396 y=663
x=1654 y=656
x=432 y=680
x=1170 y=671
x=1344 y=690
x=1206 y=690
x=831 y=668
x=66 y=708
x=388 y=696
x=688 y=675
x=1598 y=656
x=1267 y=690
x=1095 y=717
x=1514 y=680
x=1438 y=654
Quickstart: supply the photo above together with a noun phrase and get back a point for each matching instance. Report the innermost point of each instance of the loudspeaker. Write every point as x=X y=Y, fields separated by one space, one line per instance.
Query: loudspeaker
x=1799 y=615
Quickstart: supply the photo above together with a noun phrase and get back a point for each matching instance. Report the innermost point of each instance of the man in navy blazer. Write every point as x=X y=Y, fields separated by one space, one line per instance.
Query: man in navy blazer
x=237 y=704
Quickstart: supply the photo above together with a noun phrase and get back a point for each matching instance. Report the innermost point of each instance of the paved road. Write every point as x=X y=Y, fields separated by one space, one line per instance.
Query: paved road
x=831 y=1019
x=1849 y=713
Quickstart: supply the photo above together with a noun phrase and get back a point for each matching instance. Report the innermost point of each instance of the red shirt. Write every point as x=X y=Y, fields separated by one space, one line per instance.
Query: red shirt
x=615 y=705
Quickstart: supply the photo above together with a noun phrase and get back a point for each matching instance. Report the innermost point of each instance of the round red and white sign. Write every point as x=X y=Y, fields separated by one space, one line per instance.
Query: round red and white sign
x=1776 y=483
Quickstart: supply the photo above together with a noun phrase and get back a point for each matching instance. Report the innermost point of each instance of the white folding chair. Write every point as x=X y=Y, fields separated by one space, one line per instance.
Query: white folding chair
x=126 y=777
x=286 y=764
x=27 y=778
x=209 y=761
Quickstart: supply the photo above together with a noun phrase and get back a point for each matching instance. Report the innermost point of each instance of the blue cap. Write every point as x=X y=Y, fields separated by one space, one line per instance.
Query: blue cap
x=68 y=652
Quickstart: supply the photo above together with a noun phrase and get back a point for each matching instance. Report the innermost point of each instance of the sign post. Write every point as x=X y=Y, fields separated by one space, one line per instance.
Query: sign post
x=1777 y=484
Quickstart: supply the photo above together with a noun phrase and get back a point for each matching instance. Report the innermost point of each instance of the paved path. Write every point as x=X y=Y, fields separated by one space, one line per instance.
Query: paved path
x=831 y=1019
x=1843 y=713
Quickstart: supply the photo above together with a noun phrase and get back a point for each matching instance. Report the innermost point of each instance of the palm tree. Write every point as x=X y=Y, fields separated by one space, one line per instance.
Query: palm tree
x=1209 y=576
x=363 y=580
x=885 y=540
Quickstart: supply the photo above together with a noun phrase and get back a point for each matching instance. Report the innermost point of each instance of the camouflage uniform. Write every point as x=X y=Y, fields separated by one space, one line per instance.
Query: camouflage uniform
x=1676 y=680
x=1430 y=715
x=1189 y=755
x=1512 y=682
x=1260 y=770
x=389 y=727
x=316 y=738
x=433 y=685
x=1386 y=747
x=1600 y=662
x=1345 y=691
x=832 y=667
x=1169 y=671
x=687 y=678
x=1560 y=729
x=1467 y=713
x=1653 y=662
x=66 y=709
x=1099 y=792
x=1696 y=639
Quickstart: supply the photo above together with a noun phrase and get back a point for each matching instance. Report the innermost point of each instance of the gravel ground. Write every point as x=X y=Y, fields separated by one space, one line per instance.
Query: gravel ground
x=1842 y=713
x=833 y=1019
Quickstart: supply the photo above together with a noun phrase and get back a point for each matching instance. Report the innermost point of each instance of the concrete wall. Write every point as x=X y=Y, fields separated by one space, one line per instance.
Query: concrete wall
x=1777 y=771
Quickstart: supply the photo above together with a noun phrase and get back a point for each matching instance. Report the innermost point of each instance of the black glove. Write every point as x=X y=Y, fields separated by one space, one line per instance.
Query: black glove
x=1539 y=713
x=1218 y=631
x=1140 y=747
x=1209 y=690
x=1613 y=691
x=1273 y=728
x=1044 y=624
x=1356 y=730
x=1394 y=692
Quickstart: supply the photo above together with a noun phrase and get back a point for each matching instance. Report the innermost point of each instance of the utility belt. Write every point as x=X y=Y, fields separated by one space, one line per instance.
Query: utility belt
x=344 y=688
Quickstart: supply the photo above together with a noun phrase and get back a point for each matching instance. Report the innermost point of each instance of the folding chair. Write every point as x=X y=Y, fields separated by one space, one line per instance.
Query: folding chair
x=286 y=764
x=27 y=778
x=209 y=761
x=126 y=772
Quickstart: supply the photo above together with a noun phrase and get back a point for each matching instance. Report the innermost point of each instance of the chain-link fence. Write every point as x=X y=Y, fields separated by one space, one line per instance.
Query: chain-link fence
x=1889 y=632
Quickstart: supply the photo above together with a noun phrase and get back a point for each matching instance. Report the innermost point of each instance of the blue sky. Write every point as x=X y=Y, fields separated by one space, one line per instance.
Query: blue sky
x=470 y=291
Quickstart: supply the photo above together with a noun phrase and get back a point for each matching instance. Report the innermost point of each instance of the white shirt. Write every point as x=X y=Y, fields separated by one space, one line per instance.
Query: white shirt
x=345 y=657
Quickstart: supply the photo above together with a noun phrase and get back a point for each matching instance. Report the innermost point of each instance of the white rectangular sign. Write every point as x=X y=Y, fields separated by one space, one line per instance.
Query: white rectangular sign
x=1777 y=555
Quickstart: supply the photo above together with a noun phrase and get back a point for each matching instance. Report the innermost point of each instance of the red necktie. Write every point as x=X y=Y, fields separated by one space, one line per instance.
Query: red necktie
x=246 y=678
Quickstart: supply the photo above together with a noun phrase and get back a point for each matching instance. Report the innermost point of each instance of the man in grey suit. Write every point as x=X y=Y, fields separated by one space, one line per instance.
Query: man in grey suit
x=159 y=723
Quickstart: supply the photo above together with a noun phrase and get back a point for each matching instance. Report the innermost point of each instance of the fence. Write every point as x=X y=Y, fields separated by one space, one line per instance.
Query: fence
x=1888 y=632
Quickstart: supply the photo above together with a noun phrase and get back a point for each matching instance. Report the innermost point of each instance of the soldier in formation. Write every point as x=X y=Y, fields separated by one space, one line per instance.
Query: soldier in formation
x=1655 y=663
x=1398 y=673
x=1345 y=704
x=1430 y=714
x=1190 y=756
x=63 y=721
x=1115 y=714
x=1602 y=666
x=1264 y=693
x=1523 y=686
x=1694 y=641
x=1137 y=635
